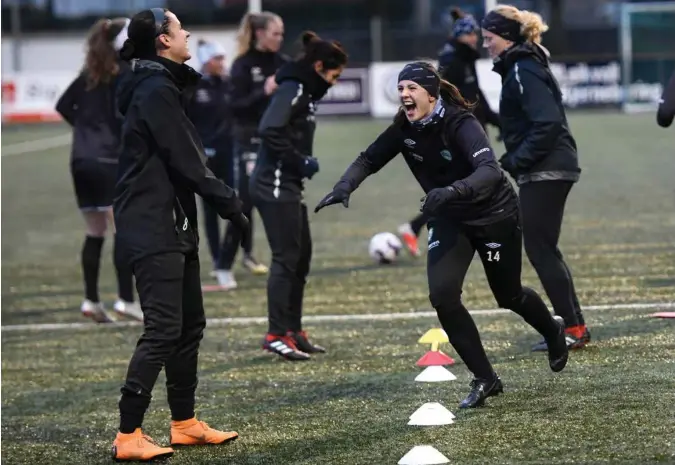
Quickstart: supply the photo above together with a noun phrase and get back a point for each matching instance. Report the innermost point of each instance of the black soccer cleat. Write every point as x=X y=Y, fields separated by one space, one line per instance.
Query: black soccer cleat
x=572 y=337
x=558 y=351
x=303 y=343
x=481 y=389
x=285 y=347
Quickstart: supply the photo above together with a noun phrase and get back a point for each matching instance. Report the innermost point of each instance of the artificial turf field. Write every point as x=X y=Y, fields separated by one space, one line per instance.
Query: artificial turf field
x=614 y=403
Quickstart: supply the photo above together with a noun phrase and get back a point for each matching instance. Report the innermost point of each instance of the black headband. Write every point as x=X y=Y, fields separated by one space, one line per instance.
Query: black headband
x=421 y=74
x=158 y=13
x=502 y=26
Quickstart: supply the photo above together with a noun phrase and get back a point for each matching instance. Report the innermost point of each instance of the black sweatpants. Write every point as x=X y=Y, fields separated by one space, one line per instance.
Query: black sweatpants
x=451 y=249
x=243 y=163
x=221 y=165
x=287 y=228
x=169 y=290
x=542 y=205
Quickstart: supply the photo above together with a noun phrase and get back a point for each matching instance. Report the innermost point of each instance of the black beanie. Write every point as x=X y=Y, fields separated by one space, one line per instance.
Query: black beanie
x=423 y=74
x=143 y=30
x=502 y=26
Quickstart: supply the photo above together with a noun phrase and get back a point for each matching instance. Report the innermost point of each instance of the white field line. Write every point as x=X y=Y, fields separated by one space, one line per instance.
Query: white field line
x=243 y=321
x=29 y=146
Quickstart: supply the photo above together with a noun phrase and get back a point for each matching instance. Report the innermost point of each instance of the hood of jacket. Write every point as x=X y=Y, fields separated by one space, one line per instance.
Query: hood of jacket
x=181 y=75
x=305 y=73
x=508 y=58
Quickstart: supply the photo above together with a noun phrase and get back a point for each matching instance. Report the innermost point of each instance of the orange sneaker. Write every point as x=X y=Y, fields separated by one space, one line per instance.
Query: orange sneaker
x=137 y=447
x=409 y=239
x=195 y=433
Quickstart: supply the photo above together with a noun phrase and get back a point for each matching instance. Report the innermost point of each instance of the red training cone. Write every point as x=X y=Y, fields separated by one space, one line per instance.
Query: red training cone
x=435 y=358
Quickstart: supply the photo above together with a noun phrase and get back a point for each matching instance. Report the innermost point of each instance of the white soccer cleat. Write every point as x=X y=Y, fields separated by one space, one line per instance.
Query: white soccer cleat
x=96 y=311
x=226 y=280
x=128 y=309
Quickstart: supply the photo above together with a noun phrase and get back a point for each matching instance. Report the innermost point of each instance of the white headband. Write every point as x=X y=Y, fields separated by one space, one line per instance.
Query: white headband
x=122 y=36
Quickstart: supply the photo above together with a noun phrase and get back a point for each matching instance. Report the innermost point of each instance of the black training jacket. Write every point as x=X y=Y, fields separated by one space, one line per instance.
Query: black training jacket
x=287 y=133
x=93 y=115
x=161 y=164
x=666 y=112
x=457 y=65
x=539 y=144
x=452 y=150
x=211 y=113
x=249 y=101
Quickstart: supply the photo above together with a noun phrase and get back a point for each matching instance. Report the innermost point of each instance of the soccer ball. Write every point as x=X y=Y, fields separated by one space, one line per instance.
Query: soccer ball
x=384 y=247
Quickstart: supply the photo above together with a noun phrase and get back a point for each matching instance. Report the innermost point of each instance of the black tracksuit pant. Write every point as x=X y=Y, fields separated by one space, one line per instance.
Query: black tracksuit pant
x=542 y=205
x=169 y=290
x=287 y=229
x=244 y=159
x=451 y=249
x=221 y=165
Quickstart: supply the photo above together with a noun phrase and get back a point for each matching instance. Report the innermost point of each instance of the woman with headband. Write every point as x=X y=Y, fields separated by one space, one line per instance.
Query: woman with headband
x=472 y=207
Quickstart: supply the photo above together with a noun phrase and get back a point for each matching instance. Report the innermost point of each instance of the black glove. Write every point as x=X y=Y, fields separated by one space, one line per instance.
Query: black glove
x=507 y=164
x=337 y=196
x=309 y=166
x=436 y=198
x=242 y=224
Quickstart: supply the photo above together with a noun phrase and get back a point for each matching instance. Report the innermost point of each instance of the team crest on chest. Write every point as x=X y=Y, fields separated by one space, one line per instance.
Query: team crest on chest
x=446 y=154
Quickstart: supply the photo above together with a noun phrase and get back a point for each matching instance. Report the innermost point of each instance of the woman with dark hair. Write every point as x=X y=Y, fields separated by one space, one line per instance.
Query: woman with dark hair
x=472 y=207
x=88 y=105
x=252 y=76
x=541 y=154
x=211 y=113
x=277 y=185
x=457 y=65
x=161 y=169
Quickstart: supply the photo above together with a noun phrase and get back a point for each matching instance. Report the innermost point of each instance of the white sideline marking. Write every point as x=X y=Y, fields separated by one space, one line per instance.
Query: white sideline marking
x=36 y=145
x=319 y=318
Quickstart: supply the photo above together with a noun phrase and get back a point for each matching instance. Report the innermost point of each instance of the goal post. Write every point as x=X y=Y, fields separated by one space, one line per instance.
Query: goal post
x=646 y=35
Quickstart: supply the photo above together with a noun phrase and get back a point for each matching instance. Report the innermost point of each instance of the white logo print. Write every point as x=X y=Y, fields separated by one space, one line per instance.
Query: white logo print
x=486 y=149
x=409 y=142
x=185 y=224
x=434 y=243
x=493 y=245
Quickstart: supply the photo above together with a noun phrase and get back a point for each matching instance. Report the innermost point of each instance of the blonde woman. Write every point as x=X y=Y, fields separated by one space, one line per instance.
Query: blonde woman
x=541 y=153
x=252 y=82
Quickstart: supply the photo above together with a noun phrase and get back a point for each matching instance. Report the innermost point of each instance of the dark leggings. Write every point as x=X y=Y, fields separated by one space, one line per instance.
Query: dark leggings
x=542 y=207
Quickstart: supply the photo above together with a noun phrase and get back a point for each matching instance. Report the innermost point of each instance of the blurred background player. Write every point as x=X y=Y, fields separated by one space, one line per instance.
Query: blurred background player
x=541 y=154
x=457 y=65
x=277 y=187
x=259 y=40
x=211 y=114
x=88 y=105
x=471 y=207
x=666 y=111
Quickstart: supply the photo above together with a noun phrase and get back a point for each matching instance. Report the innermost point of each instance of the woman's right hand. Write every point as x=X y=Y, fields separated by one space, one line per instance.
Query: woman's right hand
x=270 y=85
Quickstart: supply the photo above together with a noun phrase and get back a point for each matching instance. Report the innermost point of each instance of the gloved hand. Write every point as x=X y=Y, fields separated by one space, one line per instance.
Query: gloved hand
x=309 y=166
x=338 y=195
x=436 y=198
x=242 y=224
x=507 y=164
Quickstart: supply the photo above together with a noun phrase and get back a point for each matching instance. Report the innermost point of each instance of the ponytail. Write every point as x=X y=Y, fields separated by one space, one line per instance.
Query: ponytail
x=101 y=58
x=329 y=52
x=250 y=23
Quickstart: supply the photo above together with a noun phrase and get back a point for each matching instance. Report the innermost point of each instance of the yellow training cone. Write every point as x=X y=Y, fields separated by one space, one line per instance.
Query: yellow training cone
x=434 y=336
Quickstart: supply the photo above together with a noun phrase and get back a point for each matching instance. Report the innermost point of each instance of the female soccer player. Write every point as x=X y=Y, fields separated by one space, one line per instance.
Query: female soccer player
x=277 y=184
x=211 y=114
x=259 y=39
x=666 y=111
x=457 y=65
x=472 y=207
x=88 y=106
x=161 y=170
x=541 y=153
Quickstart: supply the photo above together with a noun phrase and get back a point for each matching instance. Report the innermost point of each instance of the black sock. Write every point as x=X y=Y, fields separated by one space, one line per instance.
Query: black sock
x=418 y=223
x=465 y=339
x=91 y=264
x=535 y=313
x=125 y=281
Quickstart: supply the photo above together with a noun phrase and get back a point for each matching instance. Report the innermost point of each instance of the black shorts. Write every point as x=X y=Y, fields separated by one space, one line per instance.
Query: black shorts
x=94 y=183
